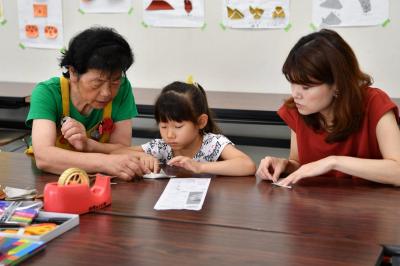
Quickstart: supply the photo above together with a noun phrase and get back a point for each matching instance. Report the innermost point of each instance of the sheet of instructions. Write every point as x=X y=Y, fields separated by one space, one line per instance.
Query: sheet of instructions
x=183 y=194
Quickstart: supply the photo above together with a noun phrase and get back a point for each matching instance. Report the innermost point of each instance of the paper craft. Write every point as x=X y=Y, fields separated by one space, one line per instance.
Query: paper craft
x=342 y=13
x=183 y=193
x=14 y=250
x=173 y=13
x=161 y=174
x=279 y=185
x=255 y=13
x=40 y=23
x=19 y=194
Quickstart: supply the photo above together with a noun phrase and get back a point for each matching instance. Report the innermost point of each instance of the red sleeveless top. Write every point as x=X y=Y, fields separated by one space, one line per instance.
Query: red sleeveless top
x=362 y=144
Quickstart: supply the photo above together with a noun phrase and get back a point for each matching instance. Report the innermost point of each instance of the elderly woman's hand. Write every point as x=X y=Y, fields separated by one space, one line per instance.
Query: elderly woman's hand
x=75 y=133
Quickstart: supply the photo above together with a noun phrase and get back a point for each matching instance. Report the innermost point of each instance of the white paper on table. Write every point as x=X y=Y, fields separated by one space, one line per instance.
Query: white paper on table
x=183 y=193
x=161 y=174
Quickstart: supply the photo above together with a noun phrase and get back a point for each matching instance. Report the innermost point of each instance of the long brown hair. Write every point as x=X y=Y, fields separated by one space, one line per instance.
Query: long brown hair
x=180 y=101
x=325 y=58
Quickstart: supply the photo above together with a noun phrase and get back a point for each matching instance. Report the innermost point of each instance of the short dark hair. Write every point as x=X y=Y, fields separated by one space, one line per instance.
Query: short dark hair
x=323 y=57
x=98 y=48
x=181 y=101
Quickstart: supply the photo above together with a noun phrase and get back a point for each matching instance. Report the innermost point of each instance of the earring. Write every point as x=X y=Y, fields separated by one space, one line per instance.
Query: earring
x=336 y=93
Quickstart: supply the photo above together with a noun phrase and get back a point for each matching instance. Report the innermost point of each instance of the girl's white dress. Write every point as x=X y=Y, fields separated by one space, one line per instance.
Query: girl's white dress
x=210 y=150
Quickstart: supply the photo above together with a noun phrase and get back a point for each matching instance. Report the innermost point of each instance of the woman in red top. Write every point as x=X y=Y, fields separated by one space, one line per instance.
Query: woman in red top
x=340 y=126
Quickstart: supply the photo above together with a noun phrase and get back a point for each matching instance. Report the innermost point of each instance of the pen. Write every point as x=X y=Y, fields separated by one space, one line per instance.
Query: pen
x=55 y=220
x=10 y=225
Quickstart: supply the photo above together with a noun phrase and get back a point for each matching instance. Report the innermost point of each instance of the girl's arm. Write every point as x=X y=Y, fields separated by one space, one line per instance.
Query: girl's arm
x=386 y=170
x=233 y=163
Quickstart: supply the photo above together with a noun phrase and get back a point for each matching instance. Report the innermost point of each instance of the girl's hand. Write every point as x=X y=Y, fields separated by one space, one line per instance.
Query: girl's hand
x=186 y=163
x=316 y=168
x=75 y=133
x=271 y=168
x=149 y=162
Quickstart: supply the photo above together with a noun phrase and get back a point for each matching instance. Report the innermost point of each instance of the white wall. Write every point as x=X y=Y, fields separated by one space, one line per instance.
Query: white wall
x=231 y=60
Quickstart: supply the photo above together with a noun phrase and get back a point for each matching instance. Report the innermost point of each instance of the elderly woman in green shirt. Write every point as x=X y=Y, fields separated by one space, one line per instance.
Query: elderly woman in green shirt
x=78 y=119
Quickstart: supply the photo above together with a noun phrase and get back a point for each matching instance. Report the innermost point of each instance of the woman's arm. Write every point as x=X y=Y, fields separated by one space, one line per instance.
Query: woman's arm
x=55 y=160
x=271 y=168
x=386 y=170
x=121 y=137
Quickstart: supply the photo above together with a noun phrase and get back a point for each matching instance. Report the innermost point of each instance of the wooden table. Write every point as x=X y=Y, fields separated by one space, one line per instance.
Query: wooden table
x=244 y=221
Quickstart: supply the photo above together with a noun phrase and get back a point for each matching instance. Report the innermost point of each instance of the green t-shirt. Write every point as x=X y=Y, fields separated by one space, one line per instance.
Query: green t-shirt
x=46 y=103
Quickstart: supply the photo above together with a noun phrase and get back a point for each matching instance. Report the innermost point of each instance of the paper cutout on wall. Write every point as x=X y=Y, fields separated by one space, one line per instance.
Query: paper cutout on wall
x=51 y=32
x=331 y=19
x=340 y=13
x=234 y=13
x=40 y=23
x=39 y=10
x=333 y=4
x=365 y=5
x=256 y=12
x=173 y=13
x=278 y=12
x=188 y=6
x=159 y=5
x=31 y=31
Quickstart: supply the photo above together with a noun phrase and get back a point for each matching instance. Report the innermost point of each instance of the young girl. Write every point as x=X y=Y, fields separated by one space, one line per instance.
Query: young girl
x=190 y=136
x=340 y=125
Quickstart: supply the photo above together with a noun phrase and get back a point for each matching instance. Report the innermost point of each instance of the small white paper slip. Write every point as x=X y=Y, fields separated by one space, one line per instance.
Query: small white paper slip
x=183 y=194
x=279 y=185
x=161 y=174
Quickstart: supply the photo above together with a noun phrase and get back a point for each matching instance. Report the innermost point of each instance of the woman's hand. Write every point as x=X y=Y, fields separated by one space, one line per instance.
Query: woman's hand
x=149 y=162
x=186 y=163
x=75 y=133
x=124 y=166
x=271 y=168
x=316 y=168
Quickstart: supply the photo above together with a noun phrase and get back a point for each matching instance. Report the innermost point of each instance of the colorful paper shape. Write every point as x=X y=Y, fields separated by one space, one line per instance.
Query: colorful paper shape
x=31 y=31
x=159 y=5
x=234 y=13
x=278 y=12
x=51 y=32
x=39 y=10
x=256 y=12
x=188 y=6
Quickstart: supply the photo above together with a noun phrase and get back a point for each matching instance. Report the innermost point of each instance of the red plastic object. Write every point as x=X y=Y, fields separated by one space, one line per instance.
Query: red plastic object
x=78 y=198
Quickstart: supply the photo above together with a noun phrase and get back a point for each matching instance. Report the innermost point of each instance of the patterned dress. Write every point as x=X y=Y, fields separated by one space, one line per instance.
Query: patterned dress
x=210 y=150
